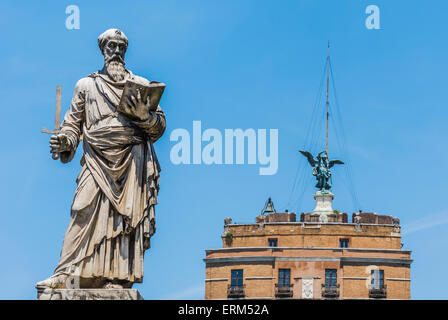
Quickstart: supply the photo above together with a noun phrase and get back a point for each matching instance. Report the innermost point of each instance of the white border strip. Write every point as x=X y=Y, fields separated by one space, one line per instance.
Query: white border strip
x=398 y=279
x=216 y=279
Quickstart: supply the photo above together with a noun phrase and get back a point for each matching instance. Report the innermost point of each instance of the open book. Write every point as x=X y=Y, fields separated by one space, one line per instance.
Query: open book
x=154 y=91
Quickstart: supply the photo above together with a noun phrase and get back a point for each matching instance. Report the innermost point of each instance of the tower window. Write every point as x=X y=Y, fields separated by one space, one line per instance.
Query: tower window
x=237 y=278
x=284 y=277
x=331 y=277
x=377 y=278
x=343 y=243
x=273 y=242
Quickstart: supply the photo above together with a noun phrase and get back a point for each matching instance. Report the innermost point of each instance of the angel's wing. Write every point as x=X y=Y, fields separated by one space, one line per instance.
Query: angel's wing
x=333 y=162
x=309 y=157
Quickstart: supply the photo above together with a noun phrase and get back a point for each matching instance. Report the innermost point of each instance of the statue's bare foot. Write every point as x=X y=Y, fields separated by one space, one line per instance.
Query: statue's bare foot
x=112 y=285
x=53 y=282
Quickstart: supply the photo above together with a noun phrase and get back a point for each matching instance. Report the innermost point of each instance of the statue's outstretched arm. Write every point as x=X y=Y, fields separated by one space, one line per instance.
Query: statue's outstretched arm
x=72 y=125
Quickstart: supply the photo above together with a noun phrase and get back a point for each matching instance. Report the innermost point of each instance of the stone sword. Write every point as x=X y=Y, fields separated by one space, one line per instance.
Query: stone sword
x=57 y=120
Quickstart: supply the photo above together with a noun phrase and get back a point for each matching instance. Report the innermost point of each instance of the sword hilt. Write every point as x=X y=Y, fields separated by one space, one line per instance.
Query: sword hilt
x=54 y=154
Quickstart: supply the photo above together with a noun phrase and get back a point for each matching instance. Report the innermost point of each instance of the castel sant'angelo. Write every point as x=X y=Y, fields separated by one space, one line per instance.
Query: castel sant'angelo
x=321 y=255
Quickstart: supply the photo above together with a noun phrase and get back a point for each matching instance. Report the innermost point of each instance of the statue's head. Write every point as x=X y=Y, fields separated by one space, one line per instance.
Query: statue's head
x=113 y=44
x=322 y=155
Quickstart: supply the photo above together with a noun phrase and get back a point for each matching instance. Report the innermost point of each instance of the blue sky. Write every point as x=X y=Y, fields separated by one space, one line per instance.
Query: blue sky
x=232 y=64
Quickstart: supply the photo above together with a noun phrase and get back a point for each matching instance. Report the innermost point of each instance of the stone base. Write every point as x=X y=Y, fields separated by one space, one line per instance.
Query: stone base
x=323 y=205
x=88 y=294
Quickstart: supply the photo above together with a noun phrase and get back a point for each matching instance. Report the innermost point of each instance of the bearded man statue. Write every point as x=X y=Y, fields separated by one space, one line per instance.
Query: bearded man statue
x=112 y=213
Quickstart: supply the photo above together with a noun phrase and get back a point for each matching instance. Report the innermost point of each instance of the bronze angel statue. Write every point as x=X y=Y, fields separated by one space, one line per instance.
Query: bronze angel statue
x=321 y=169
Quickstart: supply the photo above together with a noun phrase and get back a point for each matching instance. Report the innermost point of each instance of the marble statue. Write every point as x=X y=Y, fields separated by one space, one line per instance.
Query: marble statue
x=112 y=213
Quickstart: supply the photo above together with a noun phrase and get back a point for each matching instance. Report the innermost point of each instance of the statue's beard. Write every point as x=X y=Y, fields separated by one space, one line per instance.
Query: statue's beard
x=115 y=69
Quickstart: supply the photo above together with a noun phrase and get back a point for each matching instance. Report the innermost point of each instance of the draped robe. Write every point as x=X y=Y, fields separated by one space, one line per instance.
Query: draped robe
x=112 y=213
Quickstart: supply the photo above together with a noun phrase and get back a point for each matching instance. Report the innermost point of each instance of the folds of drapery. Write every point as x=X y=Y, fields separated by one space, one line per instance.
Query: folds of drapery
x=101 y=240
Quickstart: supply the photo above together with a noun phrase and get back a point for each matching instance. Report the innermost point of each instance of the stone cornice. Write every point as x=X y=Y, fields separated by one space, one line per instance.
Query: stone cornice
x=341 y=260
x=306 y=248
x=309 y=223
x=375 y=261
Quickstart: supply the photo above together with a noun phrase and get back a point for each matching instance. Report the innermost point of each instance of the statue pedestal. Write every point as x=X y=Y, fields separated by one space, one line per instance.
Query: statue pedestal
x=323 y=204
x=88 y=294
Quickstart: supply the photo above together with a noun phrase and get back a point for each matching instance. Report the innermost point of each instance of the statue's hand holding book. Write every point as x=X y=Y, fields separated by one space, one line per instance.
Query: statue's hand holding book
x=139 y=100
